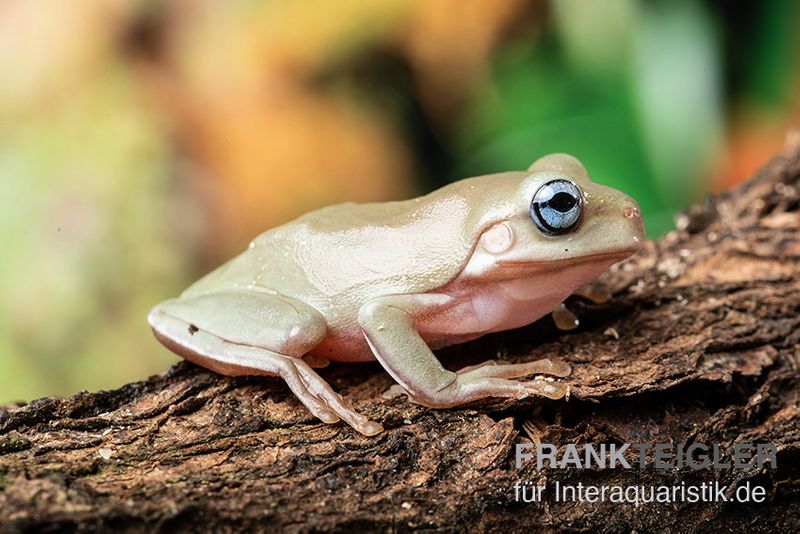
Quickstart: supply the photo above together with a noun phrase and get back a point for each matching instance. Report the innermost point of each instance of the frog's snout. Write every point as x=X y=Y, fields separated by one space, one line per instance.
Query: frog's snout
x=632 y=213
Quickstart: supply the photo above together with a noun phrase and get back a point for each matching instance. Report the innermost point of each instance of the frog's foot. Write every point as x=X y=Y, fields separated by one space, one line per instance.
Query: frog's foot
x=394 y=391
x=491 y=378
x=319 y=390
x=309 y=388
x=239 y=346
x=467 y=388
x=495 y=369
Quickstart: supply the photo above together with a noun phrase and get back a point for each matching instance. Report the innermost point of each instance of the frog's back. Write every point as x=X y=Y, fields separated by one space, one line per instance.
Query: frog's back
x=352 y=251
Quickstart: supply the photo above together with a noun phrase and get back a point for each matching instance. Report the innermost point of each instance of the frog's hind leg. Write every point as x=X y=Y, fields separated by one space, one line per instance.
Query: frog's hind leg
x=248 y=333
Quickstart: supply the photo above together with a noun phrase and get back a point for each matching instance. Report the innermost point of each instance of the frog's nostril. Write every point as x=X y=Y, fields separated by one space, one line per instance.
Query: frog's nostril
x=631 y=212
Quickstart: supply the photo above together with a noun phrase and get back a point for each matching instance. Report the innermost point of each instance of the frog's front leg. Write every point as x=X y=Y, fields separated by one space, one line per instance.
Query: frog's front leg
x=250 y=333
x=389 y=326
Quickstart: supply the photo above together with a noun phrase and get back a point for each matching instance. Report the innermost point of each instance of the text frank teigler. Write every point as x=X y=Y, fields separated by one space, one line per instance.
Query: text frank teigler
x=664 y=456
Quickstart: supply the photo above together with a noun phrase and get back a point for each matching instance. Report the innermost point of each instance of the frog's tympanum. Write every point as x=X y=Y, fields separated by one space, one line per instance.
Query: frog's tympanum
x=391 y=281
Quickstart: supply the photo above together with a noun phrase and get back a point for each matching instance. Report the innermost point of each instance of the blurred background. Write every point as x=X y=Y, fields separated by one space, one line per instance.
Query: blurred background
x=144 y=142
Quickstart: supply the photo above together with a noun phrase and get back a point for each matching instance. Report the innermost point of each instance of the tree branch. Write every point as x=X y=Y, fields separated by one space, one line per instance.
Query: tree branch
x=700 y=343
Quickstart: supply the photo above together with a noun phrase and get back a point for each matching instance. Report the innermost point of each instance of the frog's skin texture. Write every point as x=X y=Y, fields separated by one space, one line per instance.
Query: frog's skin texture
x=391 y=281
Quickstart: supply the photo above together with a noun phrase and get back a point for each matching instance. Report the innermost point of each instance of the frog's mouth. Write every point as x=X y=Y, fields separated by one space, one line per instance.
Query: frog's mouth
x=608 y=258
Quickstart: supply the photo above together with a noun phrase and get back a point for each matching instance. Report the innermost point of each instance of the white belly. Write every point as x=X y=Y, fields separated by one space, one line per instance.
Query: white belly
x=478 y=307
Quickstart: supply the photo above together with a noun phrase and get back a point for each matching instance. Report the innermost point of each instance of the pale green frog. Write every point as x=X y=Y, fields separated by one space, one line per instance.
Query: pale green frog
x=391 y=281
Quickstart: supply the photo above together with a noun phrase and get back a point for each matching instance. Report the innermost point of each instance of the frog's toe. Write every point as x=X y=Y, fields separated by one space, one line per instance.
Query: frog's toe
x=563 y=318
x=312 y=402
x=359 y=422
x=549 y=388
x=493 y=369
x=394 y=391
x=328 y=417
x=335 y=402
x=546 y=388
x=469 y=368
x=467 y=388
x=595 y=292
x=369 y=428
x=316 y=406
x=557 y=368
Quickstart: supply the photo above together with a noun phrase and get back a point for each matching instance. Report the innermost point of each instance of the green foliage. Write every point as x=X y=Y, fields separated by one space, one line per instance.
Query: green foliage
x=646 y=118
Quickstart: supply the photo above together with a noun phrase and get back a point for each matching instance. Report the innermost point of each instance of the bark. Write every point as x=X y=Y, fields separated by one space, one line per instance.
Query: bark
x=699 y=344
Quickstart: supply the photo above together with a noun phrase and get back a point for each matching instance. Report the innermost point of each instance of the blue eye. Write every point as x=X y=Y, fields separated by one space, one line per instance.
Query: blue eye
x=556 y=207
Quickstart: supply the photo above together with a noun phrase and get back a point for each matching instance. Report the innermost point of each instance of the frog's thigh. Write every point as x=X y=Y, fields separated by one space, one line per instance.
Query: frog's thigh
x=268 y=321
x=241 y=333
x=388 y=324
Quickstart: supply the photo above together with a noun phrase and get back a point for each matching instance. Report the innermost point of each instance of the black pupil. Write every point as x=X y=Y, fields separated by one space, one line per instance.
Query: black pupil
x=562 y=202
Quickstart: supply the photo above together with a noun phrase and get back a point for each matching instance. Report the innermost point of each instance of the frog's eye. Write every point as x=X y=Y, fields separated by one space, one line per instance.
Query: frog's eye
x=556 y=207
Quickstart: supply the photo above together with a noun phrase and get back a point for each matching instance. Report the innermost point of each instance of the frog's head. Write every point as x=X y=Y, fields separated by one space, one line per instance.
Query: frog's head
x=558 y=219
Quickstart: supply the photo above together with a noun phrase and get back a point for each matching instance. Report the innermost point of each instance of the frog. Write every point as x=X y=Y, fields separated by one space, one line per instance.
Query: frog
x=395 y=281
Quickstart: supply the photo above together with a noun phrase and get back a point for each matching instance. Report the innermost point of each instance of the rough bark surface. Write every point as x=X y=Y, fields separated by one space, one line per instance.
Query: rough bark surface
x=700 y=343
